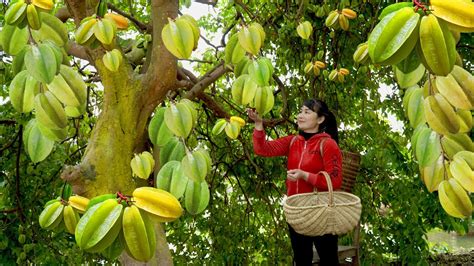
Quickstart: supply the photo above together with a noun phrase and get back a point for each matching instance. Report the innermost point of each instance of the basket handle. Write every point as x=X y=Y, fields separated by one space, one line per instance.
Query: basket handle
x=329 y=183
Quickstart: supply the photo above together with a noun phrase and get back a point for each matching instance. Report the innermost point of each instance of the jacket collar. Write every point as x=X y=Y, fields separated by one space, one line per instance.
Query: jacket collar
x=315 y=137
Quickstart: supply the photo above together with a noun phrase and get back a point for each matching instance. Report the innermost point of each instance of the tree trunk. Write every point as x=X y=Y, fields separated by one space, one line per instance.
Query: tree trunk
x=120 y=131
x=105 y=167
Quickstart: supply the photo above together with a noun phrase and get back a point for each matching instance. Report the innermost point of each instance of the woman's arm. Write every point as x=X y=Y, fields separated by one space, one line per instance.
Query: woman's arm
x=268 y=148
x=263 y=147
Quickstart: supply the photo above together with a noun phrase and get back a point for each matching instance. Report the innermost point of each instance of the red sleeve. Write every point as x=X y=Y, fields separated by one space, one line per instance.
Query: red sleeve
x=268 y=148
x=332 y=159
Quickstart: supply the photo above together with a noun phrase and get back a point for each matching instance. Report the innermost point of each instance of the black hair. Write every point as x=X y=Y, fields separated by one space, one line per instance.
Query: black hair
x=329 y=124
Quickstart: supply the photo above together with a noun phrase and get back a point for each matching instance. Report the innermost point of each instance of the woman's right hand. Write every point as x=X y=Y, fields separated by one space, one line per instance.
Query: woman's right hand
x=253 y=115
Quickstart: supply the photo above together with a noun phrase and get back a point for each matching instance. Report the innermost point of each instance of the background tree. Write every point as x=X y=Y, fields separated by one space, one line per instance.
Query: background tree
x=243 y=222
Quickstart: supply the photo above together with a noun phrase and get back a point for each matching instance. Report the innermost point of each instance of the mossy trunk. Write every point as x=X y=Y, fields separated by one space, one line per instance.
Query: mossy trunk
x=117 y=135
x=120 y=131
x=105 y=167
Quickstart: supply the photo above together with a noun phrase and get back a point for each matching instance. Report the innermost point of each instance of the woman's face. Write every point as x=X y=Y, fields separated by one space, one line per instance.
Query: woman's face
x=308 y=120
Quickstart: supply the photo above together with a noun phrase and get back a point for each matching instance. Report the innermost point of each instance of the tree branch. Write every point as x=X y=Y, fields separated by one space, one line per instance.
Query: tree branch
x=284 y=95
x=199 y=61
x=213 y=105
x=300 y=11
x=207 y=2
x=209 y=42
x=8 y=145
x=77 y=51
x=77 y=10
x=258 y=170
x=224 y=34
x=160 y=77
x=188 y=74
x=7 y=122
x=273 y=122
x=209 y=78
x=9 y=211
x=246 y=8
x=247 y=198
x=17 y=176
x=184 y=84
x=470 y=47
x=63 y=14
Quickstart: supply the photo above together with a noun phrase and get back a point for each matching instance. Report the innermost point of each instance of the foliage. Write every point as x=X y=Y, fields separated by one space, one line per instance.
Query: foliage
x=25 y=187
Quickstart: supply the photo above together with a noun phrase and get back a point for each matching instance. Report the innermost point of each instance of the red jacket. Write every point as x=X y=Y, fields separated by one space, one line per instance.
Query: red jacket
x=305 y=155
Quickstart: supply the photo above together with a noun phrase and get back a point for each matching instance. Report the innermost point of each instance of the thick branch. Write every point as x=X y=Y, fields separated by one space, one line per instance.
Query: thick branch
x=220 y=112
x=77 y=51
x=224 y=34
x=189 y=74
x=63 y=14
x=185 y=84
x=77 y=10
x=273 y=122
x=7 y=122
x=213 y=105
x=160 y=77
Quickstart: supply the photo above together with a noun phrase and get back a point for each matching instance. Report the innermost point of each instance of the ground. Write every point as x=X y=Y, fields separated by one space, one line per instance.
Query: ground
x=464 y=258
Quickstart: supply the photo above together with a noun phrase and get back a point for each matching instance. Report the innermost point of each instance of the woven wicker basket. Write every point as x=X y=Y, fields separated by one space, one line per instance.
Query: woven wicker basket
x=320 y=213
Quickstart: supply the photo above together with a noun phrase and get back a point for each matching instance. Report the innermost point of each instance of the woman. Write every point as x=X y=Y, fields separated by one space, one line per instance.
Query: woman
x=313 y=150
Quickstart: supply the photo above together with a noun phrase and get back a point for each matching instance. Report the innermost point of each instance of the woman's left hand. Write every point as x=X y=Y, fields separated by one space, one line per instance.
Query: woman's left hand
x=295 y=174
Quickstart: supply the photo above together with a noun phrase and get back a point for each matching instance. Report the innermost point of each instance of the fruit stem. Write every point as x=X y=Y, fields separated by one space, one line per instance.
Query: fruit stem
x=31 y=39
x=445 y=169
x=419 y=5
x=123 y=197
x=64 y=202
x=185 y=146
x=430 y=91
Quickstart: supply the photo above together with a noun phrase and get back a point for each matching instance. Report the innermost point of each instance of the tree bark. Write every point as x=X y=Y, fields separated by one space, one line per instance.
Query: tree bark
x=120 y=131
x=106 y=163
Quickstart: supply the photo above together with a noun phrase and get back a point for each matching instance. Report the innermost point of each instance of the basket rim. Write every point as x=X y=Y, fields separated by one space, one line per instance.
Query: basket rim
x=356 y=201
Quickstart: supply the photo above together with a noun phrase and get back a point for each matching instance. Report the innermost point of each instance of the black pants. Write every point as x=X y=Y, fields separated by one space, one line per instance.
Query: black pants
x=302 y=245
